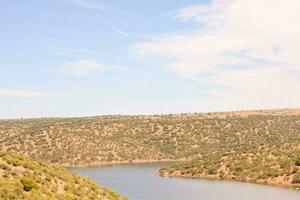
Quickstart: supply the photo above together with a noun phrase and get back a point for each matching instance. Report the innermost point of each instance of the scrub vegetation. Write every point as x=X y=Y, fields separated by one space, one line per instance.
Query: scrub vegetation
x=258 y=146
x=21 y=178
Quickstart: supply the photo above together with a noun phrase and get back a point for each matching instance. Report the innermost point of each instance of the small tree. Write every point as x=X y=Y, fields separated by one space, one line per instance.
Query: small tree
x=28 y=184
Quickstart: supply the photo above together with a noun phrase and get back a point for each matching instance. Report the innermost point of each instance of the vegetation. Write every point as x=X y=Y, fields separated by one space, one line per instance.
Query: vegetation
x=257 y=146
x=261 y=149
x=296 y=179
x=21 y=178
x=297 y=163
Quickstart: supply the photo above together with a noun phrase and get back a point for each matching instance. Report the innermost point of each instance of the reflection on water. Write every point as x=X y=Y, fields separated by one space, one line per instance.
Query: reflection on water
x=139 y=182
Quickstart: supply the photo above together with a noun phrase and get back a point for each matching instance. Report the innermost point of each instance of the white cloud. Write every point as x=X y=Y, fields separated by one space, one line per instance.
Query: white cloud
x=82 y=67
x=26 y=93
x=263 y=87
x=249 y=49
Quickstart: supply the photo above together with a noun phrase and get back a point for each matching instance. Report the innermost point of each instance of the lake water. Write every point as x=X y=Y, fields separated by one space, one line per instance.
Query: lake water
x=139 y=182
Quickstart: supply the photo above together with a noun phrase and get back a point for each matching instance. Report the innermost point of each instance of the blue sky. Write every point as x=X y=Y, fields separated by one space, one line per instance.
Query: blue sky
x=94 y=57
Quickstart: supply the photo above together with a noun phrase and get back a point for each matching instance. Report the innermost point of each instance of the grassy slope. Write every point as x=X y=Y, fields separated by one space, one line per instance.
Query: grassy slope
x=21 y=178
x=254 y=146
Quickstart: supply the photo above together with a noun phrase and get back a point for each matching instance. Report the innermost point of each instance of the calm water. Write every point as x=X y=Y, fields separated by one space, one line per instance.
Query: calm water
x=138 y=182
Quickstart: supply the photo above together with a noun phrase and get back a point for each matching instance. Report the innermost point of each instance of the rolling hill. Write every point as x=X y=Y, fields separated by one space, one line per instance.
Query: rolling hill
x=258 y=146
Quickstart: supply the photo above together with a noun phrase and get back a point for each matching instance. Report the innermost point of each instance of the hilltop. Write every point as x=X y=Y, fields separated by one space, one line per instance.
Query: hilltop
x=21 y=178
x=257 y=146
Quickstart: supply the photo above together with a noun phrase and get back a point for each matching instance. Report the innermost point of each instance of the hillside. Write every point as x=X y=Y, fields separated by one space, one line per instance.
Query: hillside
x=274 y=168
x=97 y=140
x=256 y=146
x=259 y=149
x=21 y=178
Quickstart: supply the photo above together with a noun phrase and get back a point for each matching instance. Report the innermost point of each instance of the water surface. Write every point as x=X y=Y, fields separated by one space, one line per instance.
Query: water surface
x=139 y=182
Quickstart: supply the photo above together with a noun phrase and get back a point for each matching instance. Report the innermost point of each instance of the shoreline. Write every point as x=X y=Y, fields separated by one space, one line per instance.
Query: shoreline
x=104 y=164
x=263 y=182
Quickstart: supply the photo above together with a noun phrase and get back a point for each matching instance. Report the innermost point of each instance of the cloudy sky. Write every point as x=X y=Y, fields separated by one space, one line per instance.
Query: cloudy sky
x=95 y=57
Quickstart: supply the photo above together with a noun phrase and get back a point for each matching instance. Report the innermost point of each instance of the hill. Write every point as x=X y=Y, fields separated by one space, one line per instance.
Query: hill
x=260 y=149
x=258 y=146
x=21 y=178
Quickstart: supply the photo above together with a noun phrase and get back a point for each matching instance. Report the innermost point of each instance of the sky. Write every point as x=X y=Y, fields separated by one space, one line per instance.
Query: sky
x=93 y=57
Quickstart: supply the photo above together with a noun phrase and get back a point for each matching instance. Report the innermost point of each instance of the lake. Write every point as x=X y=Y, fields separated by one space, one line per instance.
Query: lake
x=139 y=182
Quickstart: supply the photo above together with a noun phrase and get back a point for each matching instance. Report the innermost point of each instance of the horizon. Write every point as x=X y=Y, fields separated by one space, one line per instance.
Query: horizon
x=148 y=115
x=84 y=58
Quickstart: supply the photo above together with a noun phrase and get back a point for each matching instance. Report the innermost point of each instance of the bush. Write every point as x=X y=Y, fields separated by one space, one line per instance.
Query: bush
x=273 y=173
x=28 y=184
x=296 y=179
x=4 y=166
x=297 y=163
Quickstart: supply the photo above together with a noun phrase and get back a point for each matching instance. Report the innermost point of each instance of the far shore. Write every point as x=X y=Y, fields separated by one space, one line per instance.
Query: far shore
x=260 y=182
x=103 y=164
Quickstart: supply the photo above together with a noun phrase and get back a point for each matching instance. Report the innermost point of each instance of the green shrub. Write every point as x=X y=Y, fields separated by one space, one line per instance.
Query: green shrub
x=296 y=179
x=28 y=184
x=273 y=173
